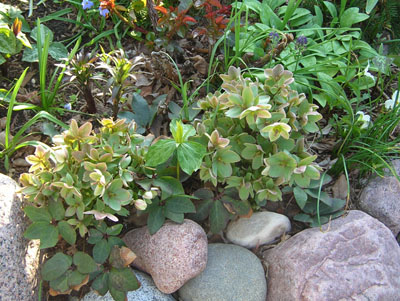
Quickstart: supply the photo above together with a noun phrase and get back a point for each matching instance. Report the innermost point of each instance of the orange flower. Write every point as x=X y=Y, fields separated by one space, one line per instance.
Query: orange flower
x=16 y=27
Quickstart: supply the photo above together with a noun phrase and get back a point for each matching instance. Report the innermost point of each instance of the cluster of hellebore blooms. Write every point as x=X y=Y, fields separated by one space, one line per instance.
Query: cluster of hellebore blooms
x=105 y=6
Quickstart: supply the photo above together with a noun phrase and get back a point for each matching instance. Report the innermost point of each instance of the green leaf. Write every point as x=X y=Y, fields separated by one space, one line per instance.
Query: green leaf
x=370 y=5
x=75 y=278
x=179 y=204
x=123 y=280
x=352 y=16
x=181 y=132
x=2 y=59
x=115 y=241
x=218 y=217
x=30 y=54
x=221 y=169
x=228 y=156
x=116 y=294
x=36 y=214
x=84 y=262
x=56 y=266
x=67 y=232
x=155 y=219
x=100 y=284
x=114 y=230
x=101 y=251
x=94 y=236
x=202 y=211
x=58 y=51
x=300 y=196
x=47 y=233
x=160 y=152
x=190 y=156
x=281 y=164
x=44 y=31
x=169 y=186
x=57 y=210
x=173 y=216
x=8 y=42
x=60 y=284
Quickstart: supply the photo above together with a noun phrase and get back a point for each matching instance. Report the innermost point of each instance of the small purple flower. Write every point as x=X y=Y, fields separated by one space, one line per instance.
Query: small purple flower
x=104 y=11
x=274 y=36
x=302 y=41
x=68 y=106
x=86 y=4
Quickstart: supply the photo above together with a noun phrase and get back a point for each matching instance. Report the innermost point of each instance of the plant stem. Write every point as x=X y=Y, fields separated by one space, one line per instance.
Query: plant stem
x=126 y=21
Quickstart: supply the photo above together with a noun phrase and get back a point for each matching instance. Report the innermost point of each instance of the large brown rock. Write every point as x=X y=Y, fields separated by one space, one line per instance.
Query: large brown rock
x=172 y=256
x=354 y=258
x=19 y=258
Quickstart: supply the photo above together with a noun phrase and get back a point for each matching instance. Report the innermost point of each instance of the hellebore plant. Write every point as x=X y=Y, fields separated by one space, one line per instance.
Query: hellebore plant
x=255 y=136
x=71 y=188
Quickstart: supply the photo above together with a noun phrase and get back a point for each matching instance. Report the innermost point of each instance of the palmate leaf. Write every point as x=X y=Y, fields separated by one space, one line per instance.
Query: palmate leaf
x=56 y=266
x=179 y=204
x=190 y=156
x=47 y=233
x=84 y=262
x=67 y=232
x=281 y=164
x=123 y=280
x=160 y=152
x=36 y=214
x=218 y=217
x=100 y=284
x=155 y=220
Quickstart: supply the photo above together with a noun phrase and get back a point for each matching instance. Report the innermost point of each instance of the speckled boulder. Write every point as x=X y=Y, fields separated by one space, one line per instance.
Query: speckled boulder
x=147 y=292
x=233 y=273
x=354 y=258
x=172 y=256
x=380 y=198
x=259 y=229
x=18 y=257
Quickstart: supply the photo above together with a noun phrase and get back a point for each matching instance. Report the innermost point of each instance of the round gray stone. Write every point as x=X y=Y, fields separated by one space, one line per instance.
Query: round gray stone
x=232 y=273
x=147 y=292
x=380 y=199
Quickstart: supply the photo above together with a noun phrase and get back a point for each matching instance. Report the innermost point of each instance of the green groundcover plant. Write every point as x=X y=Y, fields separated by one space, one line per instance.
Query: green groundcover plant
x=71 y=188
x=250 y=143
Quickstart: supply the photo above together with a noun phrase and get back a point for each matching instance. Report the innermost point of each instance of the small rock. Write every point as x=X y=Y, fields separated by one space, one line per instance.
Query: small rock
x=380 y=198
x=19 y=257
x=261 y=228
x=172 y=256
x=232 y=273
x=3 y=138
x=20 y=162
x=353 y=258
x=147 y=292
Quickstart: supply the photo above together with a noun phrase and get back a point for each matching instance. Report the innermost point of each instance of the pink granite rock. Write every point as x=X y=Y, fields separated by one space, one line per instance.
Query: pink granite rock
x=172 y=256
x=354 y=258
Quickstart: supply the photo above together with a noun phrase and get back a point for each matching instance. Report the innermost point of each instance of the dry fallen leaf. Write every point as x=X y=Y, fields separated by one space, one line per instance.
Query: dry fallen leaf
x=127 y=255
x=200 y=64
x=339 y=189
x=56 y=293
x=3 y=122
